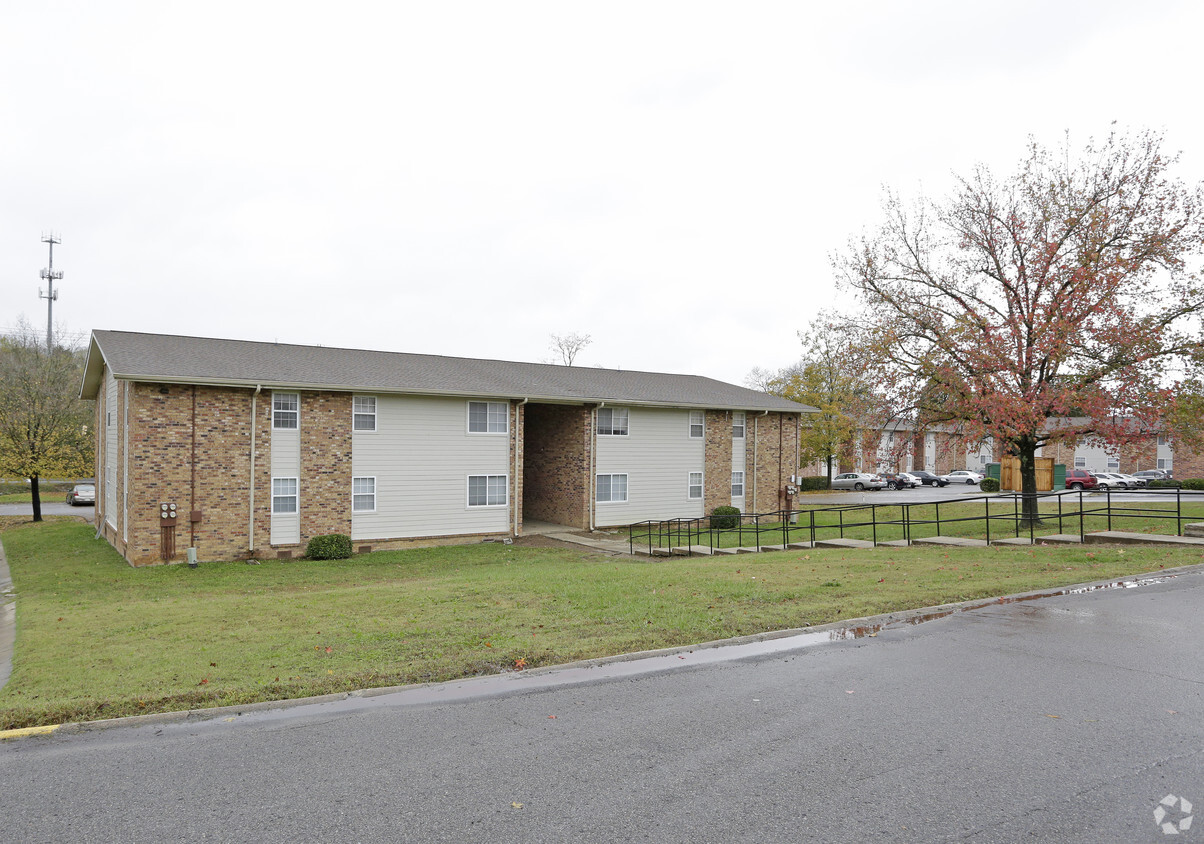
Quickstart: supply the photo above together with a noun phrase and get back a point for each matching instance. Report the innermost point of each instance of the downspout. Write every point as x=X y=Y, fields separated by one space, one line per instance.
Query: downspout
x=251 y=508
x=514 y=502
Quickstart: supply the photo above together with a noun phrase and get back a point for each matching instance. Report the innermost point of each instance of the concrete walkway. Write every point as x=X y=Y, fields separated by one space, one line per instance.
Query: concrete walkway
x=8 y=620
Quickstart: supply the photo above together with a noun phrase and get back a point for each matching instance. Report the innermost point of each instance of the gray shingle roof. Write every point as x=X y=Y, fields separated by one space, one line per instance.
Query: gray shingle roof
x=162 y=358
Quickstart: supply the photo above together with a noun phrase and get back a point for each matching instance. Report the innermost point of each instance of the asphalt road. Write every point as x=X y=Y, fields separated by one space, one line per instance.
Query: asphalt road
x=1059 y=719
x=49 y=508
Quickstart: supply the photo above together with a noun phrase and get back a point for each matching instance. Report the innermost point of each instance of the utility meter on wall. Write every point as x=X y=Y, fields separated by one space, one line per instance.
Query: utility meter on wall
x=167 y=514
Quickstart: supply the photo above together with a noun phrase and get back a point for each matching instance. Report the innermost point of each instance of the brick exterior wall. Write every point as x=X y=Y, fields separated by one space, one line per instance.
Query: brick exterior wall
x=717 y=461
x=325 y=465
x=774 y=441
x=557 y=463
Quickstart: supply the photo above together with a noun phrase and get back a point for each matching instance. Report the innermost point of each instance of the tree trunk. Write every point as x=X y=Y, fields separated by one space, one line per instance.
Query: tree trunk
x=37 y=500
x=1026 y=449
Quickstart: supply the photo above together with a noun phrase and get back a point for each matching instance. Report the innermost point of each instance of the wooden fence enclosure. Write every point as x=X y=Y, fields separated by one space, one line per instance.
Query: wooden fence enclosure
x=1009 y=473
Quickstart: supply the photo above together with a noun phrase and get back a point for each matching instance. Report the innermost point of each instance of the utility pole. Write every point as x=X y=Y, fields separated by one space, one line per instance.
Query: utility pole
x=50 y=274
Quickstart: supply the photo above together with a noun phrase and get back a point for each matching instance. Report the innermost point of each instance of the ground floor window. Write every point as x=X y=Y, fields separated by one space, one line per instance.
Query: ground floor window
x=363 y=495
x=487 y=490
x=611 y=488
x=737 y=484
x=284 y=495
x=694 y=486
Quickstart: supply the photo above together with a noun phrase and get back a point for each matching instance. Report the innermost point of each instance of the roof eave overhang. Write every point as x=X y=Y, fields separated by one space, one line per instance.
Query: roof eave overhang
x=246 y=384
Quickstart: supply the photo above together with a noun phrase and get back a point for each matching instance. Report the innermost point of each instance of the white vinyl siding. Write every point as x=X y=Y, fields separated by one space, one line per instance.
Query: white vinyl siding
x=421 y=456
x=285 y=463
x=110 y=421
x=1095 y=457
x=655 y=457
x=738 y=463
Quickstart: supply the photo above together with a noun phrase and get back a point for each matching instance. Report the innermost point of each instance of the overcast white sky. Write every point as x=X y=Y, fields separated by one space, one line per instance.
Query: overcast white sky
x=468 y=178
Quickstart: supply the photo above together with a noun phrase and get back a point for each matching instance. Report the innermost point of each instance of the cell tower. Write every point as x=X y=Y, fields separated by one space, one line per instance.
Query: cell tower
x=51 y=275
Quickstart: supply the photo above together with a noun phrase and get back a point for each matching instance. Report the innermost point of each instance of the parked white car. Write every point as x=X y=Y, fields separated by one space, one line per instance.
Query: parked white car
x=1117 y=480
x=857 y=481
x=1133 y=481
x=963 y=476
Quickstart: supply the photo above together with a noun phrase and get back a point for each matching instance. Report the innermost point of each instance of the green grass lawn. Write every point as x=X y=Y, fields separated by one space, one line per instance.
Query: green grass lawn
x=97 y=638
x=884 y=522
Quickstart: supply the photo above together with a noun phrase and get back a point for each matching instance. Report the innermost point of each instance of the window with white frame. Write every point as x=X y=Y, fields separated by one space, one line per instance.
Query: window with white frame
x=285 y=412
x=696 y=427
x=738 y=425
x=487 y=490
x=737 y=484
x=1080 y=462
x=363 y=495
x=1113 y=464
x=363 y=413
x=284 y=495
x=610 y=488
x=1164 y=463
x=694 y=486
x=1162 y=439
x=488 y=417
x=613 y=421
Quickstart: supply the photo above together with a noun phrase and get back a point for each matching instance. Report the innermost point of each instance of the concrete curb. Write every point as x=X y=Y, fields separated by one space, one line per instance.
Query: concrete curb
x=873 y=622
x=8 y=620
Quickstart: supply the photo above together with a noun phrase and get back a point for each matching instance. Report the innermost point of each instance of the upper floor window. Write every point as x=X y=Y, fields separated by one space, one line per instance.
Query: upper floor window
x=285 y=410
x=488 y=417
x=738 y=425
x=696 y=426
x=363 y=413
x=613 y=421
x=1113 y=464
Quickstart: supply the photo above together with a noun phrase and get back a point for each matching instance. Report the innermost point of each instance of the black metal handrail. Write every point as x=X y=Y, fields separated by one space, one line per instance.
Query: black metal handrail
x=708 y=531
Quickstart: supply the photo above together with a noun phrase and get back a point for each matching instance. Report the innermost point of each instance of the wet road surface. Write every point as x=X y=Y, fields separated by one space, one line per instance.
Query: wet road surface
x=1061 y=719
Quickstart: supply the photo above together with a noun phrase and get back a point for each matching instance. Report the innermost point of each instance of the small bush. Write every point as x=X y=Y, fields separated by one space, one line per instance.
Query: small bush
x=725 y=518
x=1163 y=484
x=812 y=484
x=989 y=485
x=1193 y=483
x=331 y=546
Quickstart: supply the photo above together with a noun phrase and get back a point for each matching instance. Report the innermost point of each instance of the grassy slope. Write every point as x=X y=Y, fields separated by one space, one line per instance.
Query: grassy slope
x=97 y=638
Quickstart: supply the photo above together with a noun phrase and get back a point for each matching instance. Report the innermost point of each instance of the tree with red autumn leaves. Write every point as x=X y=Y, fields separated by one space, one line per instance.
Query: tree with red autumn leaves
x=1058 y=304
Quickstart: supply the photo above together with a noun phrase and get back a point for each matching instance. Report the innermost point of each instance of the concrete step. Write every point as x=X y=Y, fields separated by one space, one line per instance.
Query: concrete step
x=735 y=550
x=1121 y=537
x=955 y=541
x=1195 y=529
x=843 y=543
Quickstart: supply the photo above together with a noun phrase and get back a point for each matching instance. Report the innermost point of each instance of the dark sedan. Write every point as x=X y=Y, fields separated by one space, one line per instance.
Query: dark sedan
x=929 y=479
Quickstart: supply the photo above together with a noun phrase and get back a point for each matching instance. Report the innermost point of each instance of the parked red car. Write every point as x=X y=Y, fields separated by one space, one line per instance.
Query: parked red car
x=1081 y=479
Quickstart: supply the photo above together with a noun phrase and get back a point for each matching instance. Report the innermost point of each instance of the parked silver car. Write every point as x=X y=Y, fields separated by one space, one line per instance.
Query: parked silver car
x=858 y=481
x=963 y=476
